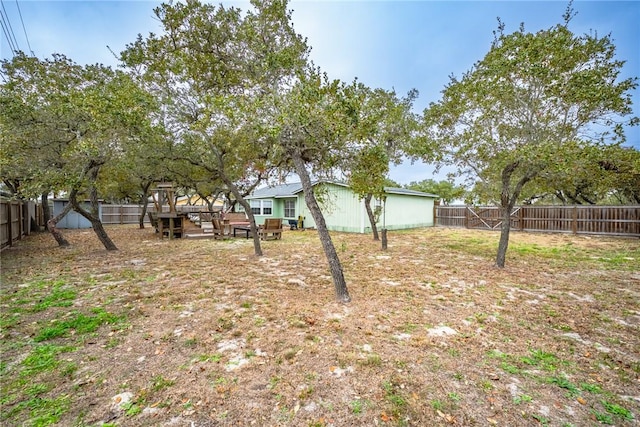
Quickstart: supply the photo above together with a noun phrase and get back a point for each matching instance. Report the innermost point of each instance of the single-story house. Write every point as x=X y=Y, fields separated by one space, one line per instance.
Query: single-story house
x=342 y=209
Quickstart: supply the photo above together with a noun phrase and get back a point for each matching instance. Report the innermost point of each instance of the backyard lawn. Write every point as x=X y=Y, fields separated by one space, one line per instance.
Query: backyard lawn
x=203 y=333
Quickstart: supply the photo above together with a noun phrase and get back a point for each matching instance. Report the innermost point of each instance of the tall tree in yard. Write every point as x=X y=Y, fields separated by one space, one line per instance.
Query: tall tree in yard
x=520 y=110
x=384 y=125
x=314 y=126
x=212 y=68
x=63 y=122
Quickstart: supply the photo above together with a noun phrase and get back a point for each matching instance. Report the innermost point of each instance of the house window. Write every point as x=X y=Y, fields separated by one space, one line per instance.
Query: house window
x=289 y=208
x=262 y=207
x=255 y=207
x=267 y=207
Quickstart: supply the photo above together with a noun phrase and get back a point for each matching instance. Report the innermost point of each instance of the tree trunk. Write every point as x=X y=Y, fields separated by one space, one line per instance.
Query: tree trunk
x=340 y=285
x=93 y=215
x=144 y=202
x=372 y=217
x=94 y=218
x=505 y=229
x=257 y=248
x=507 y=202
x=46 y=212
x=51 y=226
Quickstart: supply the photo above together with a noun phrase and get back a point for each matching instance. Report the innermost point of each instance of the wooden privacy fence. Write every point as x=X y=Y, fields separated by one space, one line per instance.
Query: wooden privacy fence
x=130 y=214
x=605 y=220
x=17 y=219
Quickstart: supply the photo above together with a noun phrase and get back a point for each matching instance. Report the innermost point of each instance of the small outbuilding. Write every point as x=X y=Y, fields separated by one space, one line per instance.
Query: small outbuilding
x=73 y=219
x=342 y=208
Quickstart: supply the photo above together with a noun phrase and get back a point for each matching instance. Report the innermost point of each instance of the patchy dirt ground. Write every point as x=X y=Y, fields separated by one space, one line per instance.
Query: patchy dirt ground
x=203 y=333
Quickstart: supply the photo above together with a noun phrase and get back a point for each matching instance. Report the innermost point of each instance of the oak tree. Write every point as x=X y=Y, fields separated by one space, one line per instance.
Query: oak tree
x=515 y=113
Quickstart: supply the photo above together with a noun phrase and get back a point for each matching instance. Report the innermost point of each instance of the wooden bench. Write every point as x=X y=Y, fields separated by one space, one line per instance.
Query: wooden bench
x=235 y=218
x=272 y=228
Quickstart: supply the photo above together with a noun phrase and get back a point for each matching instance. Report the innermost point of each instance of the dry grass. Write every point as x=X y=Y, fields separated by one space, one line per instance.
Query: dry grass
x=203 y=333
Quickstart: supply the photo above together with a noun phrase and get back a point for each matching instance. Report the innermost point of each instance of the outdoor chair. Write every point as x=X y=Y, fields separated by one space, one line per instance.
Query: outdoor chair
x=271 y=229
x=218 y=228
x=153 y=218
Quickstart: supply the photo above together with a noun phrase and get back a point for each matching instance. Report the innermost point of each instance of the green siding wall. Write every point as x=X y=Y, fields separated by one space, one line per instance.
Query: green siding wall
x=403 y=211
x=343 y=211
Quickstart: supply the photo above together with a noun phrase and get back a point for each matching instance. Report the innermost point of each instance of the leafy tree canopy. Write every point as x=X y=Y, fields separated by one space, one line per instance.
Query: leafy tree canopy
x=521 y=110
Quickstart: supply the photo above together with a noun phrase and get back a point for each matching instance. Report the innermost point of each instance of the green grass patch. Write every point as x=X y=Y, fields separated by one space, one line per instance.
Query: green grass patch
x=392 y=395
x=542 y=359
x=80 y=323
x=563 y=382
x=59 y=296
x=567 y=254
x=617 y=411
x=41 y=411
x=210 y=358
x=43 y=358
x=591 y=388
x=602 y=417
x=35 y=297
x=159 y=383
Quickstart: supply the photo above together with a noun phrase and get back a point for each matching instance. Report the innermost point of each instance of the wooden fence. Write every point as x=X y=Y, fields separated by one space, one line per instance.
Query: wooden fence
x=604 y=220
x=130 y=214
x=17 y=219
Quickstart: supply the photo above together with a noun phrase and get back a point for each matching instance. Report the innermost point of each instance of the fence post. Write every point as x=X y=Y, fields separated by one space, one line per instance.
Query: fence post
x=20 y=219
x=521 y=217
x=466 y=217
x=435 y=212
x=574 y=222
x=9 y=224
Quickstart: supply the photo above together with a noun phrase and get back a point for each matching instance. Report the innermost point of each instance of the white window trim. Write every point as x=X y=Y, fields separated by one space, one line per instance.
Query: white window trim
x=261 y=205
x=294 y=208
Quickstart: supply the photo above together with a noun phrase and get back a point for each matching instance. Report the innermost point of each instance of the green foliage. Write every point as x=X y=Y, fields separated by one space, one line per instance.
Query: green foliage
x=601 y=417
x=517 y=115
x=384 y=124
x=60 y=119
x=358 y=406
x=446 y=190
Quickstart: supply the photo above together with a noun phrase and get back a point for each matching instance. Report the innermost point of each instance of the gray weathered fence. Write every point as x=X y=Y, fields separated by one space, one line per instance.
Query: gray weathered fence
x=129 y=214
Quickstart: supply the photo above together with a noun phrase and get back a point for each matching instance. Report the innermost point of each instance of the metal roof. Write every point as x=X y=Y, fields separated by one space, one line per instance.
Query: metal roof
x=291 y=190
x=407 y=192
x=277 y=191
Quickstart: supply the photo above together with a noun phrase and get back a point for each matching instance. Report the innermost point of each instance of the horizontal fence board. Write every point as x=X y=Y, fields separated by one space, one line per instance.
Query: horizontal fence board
x=130 y=214
x=603 y=220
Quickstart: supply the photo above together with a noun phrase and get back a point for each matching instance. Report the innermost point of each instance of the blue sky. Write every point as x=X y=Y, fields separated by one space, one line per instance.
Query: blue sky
x=387 y=44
